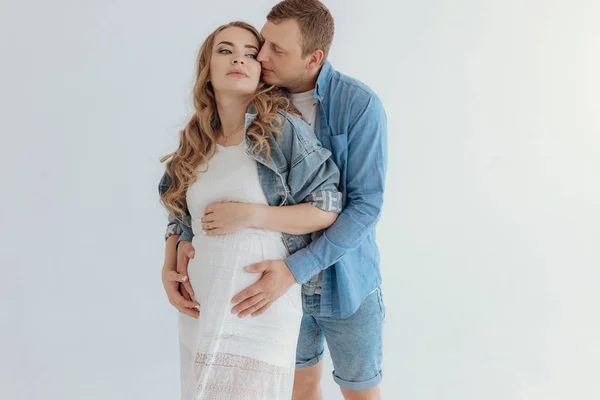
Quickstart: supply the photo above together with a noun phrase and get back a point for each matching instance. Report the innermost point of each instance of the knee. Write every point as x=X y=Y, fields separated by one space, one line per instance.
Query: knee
x=307 y=384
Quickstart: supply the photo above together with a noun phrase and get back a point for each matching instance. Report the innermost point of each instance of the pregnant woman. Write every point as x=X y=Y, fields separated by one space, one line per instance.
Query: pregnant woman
x=243 y=145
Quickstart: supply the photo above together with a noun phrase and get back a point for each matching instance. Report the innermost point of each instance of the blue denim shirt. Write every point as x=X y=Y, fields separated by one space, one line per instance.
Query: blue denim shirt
x=351 y=122
x=299 y=170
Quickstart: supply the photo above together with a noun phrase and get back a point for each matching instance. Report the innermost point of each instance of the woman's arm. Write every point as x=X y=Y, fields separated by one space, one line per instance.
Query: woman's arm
x=314 y=200
x=170 y=263
x=298 y=219
x=172 y=280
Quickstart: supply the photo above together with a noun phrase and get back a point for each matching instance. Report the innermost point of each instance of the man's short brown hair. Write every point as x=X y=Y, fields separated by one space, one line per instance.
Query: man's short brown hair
x=314 y=19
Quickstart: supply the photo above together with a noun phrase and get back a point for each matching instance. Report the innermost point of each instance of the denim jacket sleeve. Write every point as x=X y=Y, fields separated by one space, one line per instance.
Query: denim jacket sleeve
x=173 y=227
x=181 y=225
x=365 y=181
x=313 y=177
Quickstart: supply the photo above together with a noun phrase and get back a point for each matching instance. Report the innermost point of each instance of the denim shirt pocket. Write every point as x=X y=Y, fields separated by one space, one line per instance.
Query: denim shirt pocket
x=339 y=149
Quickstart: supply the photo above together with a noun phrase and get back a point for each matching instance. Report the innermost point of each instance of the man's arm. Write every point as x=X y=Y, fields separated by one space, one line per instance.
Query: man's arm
x=365 y=183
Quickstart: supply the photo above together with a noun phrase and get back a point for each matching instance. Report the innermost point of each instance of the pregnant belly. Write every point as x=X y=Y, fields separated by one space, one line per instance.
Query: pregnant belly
x=217 y=269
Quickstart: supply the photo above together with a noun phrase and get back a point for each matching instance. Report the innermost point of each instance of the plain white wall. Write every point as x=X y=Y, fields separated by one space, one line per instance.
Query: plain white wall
x=491 y=224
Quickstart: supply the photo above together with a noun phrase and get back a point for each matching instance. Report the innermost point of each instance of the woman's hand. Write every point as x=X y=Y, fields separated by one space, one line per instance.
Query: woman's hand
x=222 y=218
x=171 y=281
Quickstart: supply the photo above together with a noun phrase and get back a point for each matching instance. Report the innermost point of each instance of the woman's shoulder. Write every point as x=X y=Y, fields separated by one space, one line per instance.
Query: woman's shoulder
x=293 y=119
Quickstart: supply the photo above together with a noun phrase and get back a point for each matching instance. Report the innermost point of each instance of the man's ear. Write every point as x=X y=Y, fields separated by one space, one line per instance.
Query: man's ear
x=316 y=59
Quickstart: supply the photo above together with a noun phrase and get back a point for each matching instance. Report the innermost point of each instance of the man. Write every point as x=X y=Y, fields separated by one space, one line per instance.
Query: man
x=340 y=270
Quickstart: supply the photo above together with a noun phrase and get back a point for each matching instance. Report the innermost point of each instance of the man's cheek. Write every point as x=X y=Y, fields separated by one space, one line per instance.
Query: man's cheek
x=268 y=78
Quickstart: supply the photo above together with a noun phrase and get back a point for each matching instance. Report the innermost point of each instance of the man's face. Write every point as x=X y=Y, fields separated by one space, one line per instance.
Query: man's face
x=281 y=54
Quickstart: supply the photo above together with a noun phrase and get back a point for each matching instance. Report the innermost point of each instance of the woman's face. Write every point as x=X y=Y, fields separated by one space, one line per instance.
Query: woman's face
x=233 y=65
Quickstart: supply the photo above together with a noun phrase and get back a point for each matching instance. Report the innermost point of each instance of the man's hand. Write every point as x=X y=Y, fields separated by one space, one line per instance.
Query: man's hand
x=275 y=282
x=172 y=281
x=222 y=218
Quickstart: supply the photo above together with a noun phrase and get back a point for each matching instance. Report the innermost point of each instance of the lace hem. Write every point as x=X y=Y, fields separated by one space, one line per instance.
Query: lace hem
x=223 y=376
x=243 y=363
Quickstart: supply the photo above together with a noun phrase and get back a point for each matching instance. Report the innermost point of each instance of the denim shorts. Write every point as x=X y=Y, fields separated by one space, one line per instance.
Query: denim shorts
x=354 y=342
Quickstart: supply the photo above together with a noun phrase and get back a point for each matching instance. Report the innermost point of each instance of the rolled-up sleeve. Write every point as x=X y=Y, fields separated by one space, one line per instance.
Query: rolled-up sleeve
x=313 y=176
x=326 y=200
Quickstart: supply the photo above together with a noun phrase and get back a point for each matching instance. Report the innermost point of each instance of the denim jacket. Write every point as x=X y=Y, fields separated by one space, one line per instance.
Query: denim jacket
x=299 y=170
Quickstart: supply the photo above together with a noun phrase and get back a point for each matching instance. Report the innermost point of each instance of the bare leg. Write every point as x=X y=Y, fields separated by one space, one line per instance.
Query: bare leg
x=371 y=394
x=307 y=383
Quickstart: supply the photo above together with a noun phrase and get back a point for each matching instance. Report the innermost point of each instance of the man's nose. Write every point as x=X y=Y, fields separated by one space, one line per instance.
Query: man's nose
x=262 y=55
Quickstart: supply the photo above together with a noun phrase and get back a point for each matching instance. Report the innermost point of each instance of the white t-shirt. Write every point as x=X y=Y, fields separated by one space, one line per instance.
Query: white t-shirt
x=307 y=105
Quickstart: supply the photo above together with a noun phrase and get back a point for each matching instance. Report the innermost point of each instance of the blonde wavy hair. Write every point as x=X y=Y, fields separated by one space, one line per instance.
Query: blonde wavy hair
x=197 y=141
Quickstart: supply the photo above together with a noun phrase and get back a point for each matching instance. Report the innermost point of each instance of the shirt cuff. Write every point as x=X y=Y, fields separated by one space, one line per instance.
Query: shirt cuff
x=303 y=265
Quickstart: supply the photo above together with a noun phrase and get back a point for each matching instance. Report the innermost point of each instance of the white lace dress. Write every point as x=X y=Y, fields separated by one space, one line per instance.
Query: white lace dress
x=224 y=356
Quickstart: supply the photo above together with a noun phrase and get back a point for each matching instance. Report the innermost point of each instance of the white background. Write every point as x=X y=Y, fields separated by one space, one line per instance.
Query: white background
x=491 y=227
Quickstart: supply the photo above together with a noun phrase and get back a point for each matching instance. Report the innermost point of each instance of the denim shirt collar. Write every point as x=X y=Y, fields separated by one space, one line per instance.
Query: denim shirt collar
x=323 y=80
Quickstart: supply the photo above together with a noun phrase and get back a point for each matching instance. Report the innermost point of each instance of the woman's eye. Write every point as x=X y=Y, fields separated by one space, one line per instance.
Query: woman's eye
x=225 y=51
x=253 y=56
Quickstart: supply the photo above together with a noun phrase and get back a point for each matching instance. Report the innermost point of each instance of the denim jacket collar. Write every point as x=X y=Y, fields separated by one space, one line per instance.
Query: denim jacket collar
x=251 y=115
